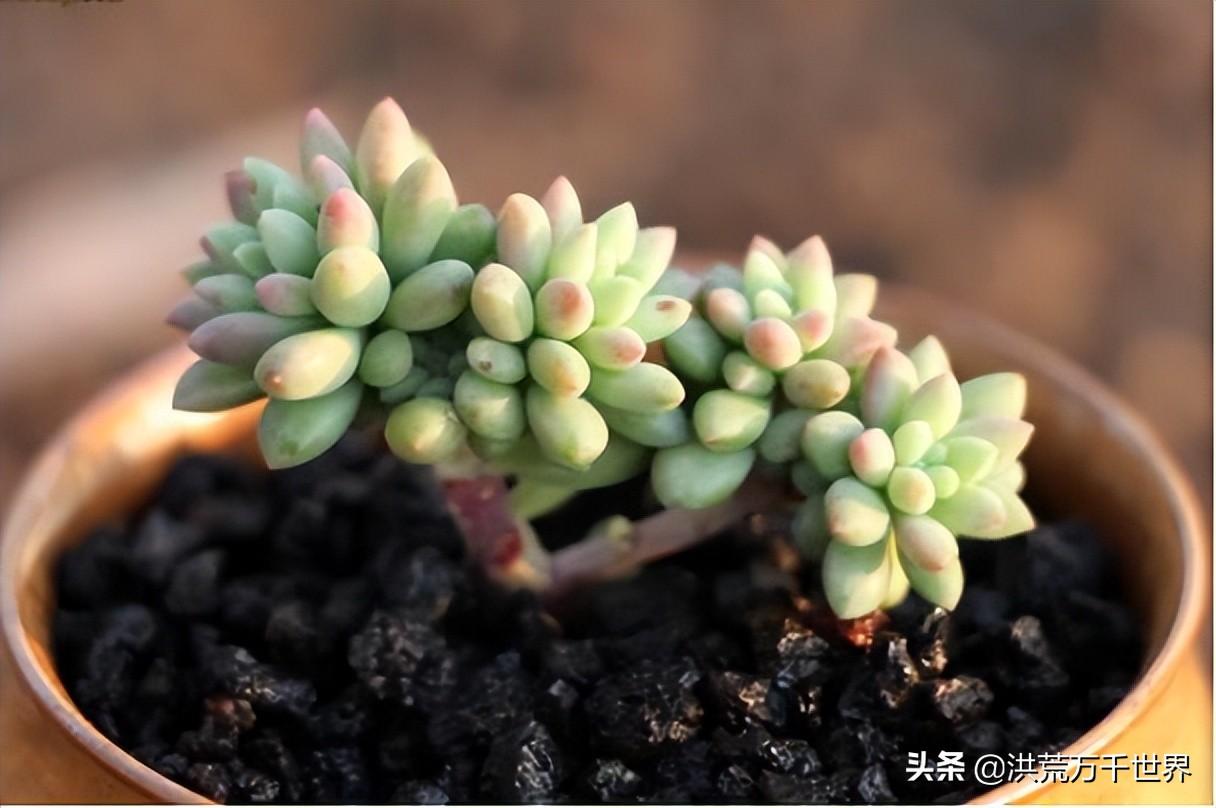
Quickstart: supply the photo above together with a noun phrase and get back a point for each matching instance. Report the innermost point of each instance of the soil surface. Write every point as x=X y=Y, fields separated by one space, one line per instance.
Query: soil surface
x=313 y=635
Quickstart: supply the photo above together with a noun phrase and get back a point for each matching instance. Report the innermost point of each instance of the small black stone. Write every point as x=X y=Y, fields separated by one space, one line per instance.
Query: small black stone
x=686 y=774
x=610 y=781
x=637 y=714
x=194 y=586
x=982 y=738
x=801 y=655
x=419 y=792
x=736 y=785
x=740 y=697
x=423 y=583
x=234 y=671
x=873 y=788
x=558 y=707
x=898 y=673
x=390 y=652
x=523 y=766
x=293 y=633
x=962 y=699
x=251 y=785
x=159 y=543
x=210 y=779
x=268 y=752
x=793 y=790
x=496 y=698
x=789 y=756
x=576 y=661
x=337 y=775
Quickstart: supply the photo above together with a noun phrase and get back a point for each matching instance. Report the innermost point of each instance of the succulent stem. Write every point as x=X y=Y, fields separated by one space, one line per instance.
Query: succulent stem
x=611 y=551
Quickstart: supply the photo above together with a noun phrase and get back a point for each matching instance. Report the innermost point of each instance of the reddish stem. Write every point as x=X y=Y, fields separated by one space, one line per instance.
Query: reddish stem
x=612 y=554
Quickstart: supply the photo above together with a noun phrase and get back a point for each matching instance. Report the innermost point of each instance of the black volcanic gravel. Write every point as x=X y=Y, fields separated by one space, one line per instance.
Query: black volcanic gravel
x=313 y=635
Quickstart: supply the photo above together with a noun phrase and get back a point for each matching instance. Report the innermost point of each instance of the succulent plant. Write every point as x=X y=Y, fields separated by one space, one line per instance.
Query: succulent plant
x=566 y=354
x=564 y=315
x=368 y=276
x=889 y=489
x=308 y=297
x=782 y=338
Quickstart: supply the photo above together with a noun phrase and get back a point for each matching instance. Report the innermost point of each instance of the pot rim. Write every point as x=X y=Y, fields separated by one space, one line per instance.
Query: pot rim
x=1135 y=432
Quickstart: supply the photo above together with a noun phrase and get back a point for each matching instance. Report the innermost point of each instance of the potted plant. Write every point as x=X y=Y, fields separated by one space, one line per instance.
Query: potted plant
x=581 y=607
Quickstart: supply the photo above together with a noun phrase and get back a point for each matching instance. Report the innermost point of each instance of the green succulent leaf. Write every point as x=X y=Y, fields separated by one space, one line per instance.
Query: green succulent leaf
x=650 y=257
x=468 y=236
x=745 y=375
x=290 y=241
x=856 y=514
x=387 y=359
x=573 y=257
x=659 y=316
x=726 y=421
x=570 y=431
x=872 y=457
x=611 y=348
x=691 y=476
x=696 y=351
x=431 y=297
x=563 y=207
x=782 y=438
x=973 y=511
x=816 y=384
x=644 y=388
x=930 y=358
x=497 y=361
x=425 y=430
x=386 y=146
x=524 y=238
x=310 y=364
x=502 y=303
x=564 y=309
x=285 y=295
x=490 y=409
x=941 y=587
x=350 y=287
x=856 y=579
x=660 y=430
x=997 y=394
x=937 y=402
x=211 y=387
x=558 y=367
x=294 y=432
x=825 y=442
x=618 y=235
x=242 y=337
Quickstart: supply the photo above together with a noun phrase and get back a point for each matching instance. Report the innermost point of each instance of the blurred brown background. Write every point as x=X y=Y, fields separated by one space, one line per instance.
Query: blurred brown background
x=1048 y=163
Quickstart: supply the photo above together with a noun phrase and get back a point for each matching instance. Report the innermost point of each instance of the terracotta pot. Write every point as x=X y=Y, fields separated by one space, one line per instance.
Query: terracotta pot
x=1091 y=457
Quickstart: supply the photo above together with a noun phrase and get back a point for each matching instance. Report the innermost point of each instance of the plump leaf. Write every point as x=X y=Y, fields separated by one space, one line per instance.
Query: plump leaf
x=691 y=476
x=726 y=421
x=856 y=514
x=424 y=430
x=294 y=432
x=211 y=387
x=856 y=579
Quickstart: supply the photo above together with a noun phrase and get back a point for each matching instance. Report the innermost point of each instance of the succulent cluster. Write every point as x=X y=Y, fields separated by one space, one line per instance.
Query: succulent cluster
x=785 y=332
x=369 y=281
x=569 y=355
x=890 y=485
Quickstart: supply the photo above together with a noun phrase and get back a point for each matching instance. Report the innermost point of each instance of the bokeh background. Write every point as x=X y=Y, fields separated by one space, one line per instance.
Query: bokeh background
x=1047 y=163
